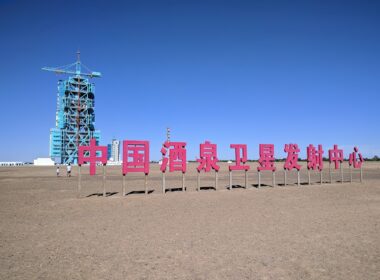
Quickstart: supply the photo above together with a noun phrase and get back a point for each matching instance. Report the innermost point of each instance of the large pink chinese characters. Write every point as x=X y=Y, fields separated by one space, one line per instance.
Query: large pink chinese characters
x=314 y=157
x=92 y=158
x=208 y=157
x=354 y=160
x=266 y=159
x=135 y=156
x=240 y=157
x=292 y=158
x=336 y=156
x=177 y=156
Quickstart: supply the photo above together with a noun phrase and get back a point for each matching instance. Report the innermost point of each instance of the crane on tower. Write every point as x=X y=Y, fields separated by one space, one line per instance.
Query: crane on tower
x=77 y=65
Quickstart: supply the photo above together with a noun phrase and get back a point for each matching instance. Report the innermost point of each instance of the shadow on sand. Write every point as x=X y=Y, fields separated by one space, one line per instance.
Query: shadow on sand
x=138 y=192
x=101 y=194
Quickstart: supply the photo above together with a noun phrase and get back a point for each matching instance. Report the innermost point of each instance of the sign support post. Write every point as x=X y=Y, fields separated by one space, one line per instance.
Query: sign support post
x=123 y=188
x=258 y=179
x=146 y=183
x=216 y=180
x=284 y=177
x=230 y=180
x=361 y=174
x=298 y=177
x=198 y=181
x=330 y=173
x=104 y=180
x=79 y=181
x=163 y=183
x=183 y=181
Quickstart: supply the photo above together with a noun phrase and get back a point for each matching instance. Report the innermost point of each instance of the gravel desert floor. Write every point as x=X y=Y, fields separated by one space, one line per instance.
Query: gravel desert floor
x=328 y=231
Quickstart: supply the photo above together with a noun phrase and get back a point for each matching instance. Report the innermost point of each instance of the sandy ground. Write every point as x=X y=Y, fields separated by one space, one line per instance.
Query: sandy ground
x=293 y=232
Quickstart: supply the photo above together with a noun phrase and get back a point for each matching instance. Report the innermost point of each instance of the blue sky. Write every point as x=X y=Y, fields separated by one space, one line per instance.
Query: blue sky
x=226 y=71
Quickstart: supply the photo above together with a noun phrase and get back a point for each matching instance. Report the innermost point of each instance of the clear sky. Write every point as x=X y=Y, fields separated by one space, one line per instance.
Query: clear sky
x=226 y=71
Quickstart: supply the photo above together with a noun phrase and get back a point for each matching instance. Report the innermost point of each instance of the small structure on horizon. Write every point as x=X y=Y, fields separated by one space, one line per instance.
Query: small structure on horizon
x=12 y=163
x=43 y=162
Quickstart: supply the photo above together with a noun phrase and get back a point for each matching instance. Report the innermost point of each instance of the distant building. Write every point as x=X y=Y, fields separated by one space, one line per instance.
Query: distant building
x=43 y=162
x=115 y=150
x=109 y=151
x=11 y=163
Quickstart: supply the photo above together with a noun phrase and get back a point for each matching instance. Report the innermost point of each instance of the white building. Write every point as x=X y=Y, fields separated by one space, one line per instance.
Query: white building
x=115 y=150
x=43 y=162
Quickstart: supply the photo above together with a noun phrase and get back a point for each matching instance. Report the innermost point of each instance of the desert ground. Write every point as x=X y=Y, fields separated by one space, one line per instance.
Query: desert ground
x=328 y=231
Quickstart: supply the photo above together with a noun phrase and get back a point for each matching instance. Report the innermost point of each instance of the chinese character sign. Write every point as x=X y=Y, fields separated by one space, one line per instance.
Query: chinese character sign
x=314 y=157
x=336 y=156
x=354 y=160
x=135 y=156
x=92 y=158
x=240 y=157
x=266 y=160
x=208 y=157
x=174 y=158
x=177 y=156
x=292 y=158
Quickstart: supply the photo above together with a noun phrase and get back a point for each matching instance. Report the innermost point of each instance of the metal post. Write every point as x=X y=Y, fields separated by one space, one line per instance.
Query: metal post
x=350 y=173
x=79 y=181
x=183 y=181
x=146 y=183
x=104 y=180
x=341 y=172
x=361 y=174
x=246 y=178
x=198 y=181
x=298 y=177
x=274 y=178
x=230 y=180
x=284 y=177
x=258 y=179
x=216 y=180
x=163 y=183
x=320 y=177
x=123 y=190
x=330 y=172
x=308 y=175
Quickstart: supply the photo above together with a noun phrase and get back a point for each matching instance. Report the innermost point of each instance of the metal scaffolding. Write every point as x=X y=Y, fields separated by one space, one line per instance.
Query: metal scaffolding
x=75 y=116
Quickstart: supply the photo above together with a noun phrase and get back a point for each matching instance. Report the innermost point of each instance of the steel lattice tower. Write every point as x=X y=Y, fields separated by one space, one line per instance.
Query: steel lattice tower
x=75 y=116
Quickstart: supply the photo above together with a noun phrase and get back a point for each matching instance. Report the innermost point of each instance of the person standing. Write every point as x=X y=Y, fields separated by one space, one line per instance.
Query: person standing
x=69 y=170
x=57 y=170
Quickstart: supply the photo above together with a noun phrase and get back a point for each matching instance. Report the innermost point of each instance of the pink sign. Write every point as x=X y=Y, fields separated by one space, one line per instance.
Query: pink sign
x=208 y=157
x=354 y=160
x=314 y=157
x=177 y=156
x=138 y=152
x=292 y=158
x=136 y=157
x=240 y=157
x=92 y=158
x=266 y=160
x=336 y=156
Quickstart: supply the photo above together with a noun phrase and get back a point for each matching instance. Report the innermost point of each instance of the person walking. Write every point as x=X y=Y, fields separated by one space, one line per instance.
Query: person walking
x=69 y=170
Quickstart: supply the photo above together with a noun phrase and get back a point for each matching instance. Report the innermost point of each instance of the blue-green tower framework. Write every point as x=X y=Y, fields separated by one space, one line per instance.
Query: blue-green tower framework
x=75 y=116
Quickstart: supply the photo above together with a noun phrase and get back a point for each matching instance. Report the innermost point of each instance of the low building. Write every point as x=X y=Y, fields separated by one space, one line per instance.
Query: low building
x=43 y=162
x=11 y=163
